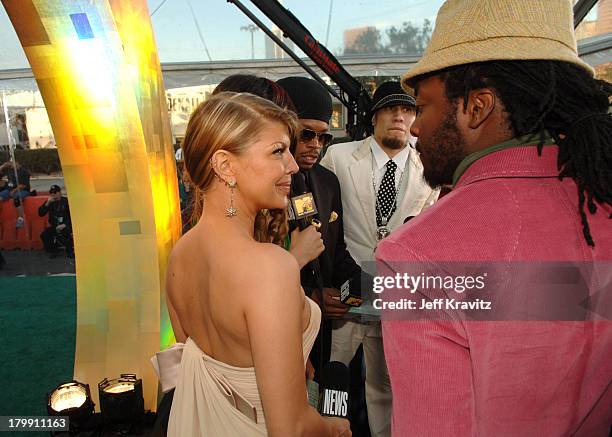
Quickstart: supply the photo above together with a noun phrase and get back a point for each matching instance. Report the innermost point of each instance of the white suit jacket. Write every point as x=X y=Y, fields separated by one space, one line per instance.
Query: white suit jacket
x=352 y=164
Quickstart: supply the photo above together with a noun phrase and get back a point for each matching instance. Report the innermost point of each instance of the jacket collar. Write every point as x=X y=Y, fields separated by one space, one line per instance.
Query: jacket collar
x=522 y=161
x=363 y=150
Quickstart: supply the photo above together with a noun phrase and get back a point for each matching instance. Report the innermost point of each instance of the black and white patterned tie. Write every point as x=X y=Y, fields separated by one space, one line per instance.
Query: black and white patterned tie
x=386 y=198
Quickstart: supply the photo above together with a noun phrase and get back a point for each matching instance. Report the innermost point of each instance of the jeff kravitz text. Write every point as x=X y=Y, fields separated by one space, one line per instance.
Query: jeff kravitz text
x=413 y=283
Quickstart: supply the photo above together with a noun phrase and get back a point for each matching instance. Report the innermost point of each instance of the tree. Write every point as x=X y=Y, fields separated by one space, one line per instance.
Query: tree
x=367 y=43
x=425 y=35
x=408 y=39
x=405 y=40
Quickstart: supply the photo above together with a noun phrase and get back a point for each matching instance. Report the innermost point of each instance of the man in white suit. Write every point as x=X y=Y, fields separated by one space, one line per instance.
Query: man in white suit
x=382 y=187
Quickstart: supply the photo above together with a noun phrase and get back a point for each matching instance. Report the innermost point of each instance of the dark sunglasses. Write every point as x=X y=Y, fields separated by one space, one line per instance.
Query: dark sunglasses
x=308 y=135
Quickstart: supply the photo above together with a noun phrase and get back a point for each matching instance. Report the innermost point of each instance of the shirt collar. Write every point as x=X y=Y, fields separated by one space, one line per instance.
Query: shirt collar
x=381 y=158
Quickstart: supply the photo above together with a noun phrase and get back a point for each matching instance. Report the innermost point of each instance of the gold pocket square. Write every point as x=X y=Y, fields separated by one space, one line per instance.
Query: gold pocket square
x=333 y=217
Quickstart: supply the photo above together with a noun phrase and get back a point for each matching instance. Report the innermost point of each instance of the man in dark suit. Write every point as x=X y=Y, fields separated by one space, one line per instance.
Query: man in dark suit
x=337 y=267
x=314 y=108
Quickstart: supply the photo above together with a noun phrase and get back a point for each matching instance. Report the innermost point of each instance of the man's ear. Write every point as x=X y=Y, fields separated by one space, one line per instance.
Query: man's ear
x=223 y=165
x=374 y=119
x=481 y=104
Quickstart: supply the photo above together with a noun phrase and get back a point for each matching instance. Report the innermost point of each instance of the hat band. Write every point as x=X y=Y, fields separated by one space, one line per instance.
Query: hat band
x=457 y=35
x=475 y=41
x=394 y=99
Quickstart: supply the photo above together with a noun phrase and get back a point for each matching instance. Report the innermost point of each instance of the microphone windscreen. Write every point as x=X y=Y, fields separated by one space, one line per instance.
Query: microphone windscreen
x=335 y=375
x=298 y=183
x=333 y=390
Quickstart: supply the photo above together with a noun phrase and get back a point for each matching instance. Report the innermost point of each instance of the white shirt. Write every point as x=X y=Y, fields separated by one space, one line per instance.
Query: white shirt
x=379 y=166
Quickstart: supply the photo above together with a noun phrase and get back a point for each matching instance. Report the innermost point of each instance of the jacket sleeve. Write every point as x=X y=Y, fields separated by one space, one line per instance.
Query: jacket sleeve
x=440 y=366
x=43 y=209
x=344 y=266
x=429 y=360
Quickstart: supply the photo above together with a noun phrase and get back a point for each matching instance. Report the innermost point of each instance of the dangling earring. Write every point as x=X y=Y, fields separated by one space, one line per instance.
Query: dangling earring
x=231 y=211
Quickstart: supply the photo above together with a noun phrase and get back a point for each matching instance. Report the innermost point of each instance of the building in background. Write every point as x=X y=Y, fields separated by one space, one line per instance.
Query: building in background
x=273 y=51
x=181 y=103
x=595 y=29
x=28 y=121
x=597 y=22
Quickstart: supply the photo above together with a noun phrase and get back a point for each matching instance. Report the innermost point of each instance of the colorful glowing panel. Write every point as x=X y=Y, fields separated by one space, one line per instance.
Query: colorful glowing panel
x=97 y=69
x=134 y=26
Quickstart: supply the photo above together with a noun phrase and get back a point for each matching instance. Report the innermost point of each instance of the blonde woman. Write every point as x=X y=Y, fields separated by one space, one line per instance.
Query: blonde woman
x=237 y=303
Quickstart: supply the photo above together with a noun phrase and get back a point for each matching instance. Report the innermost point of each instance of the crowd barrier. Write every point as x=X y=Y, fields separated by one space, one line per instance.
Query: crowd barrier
x=28 y=236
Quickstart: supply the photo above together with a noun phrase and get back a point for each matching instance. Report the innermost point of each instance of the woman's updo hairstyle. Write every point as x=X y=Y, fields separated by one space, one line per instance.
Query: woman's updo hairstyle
x=227 y=121
x=271 y=226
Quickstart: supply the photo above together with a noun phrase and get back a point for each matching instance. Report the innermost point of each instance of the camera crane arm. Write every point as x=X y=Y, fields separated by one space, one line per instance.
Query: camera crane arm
x=352 y=94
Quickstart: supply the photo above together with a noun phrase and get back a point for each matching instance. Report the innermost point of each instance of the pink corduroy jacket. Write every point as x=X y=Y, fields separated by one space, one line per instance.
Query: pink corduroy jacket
x=503 y=378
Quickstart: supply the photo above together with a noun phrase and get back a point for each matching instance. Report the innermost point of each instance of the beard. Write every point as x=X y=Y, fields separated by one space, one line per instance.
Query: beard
x=444 y=153
x=393 y=143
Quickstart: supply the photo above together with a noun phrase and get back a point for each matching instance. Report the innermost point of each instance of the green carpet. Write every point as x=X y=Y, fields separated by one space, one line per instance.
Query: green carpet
x=38 y=328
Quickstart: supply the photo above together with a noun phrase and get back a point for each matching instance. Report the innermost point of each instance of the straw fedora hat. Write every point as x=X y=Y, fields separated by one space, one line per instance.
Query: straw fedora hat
x=492 y=30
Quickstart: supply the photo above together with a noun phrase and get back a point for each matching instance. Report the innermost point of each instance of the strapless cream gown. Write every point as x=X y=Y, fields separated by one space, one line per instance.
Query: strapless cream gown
x=208 y=390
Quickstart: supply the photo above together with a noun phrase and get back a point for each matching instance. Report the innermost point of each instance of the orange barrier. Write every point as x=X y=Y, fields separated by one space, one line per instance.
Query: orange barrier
x=28 y=236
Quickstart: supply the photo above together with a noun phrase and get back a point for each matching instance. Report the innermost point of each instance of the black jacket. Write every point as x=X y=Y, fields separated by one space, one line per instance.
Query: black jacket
x=59 y=213
x=336 y=263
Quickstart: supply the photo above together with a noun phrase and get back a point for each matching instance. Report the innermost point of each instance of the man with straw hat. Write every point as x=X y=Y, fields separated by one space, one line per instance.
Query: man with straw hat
x=514 y=120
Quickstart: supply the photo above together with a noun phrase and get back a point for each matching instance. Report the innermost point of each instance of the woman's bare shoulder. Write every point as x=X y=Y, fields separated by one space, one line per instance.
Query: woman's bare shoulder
x=185 y=248
x=181 y=259
x=269 y=268
x=176 y=256
x=272 y=278
x=266 y=257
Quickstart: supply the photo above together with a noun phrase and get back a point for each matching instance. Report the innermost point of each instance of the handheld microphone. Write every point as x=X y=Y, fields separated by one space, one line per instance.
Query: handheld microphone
x=304 y=208
x=334 y=390
x=302 y=203
x=304 y=211
x=348 y=296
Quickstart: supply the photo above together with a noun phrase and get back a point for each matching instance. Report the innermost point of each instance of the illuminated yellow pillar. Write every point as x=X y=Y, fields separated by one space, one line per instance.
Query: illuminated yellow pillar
x=132 y=21
x=98 y=73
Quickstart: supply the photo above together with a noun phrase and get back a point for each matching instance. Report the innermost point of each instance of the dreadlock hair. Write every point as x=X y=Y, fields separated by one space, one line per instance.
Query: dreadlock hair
x=555 y=97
